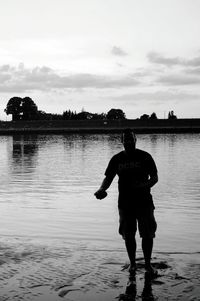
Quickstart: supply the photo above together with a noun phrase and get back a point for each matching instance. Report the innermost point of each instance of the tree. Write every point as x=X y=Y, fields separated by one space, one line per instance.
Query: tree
x=83 y=115
x=97 y=116
x=153 y=116
x=42 y=115
x=67 y=115
x=28 y=108
x=21 y=108
x=171 y=115
x=14 y=108
x=144 y=117
x=116 y=114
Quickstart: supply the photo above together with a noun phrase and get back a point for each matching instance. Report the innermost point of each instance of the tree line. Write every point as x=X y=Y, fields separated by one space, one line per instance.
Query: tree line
x=26 y=109
x=153 y=116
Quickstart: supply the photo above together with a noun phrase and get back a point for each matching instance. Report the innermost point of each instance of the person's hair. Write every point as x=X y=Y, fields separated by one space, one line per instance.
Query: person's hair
x=127 y=131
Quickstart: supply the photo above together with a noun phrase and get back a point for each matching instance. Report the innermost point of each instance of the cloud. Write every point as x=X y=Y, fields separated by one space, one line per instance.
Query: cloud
x=118 y=51
x=4 y=78
x=185 y=72
x=21 y=79
x=195 y=62
x=195 y=71
x=158 y=58
x=156 y=97
x=179 y=80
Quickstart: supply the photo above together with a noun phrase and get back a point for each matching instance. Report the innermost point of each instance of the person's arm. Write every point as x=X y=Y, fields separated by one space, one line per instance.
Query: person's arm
x=149 y=183
x=153 y=174
x=110 y=173
x=152 y=181
x=101 y=192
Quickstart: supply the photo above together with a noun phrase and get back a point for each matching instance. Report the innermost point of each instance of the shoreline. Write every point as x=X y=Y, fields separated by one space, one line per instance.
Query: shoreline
x=99 y=126
x=94 y=131
x=41 y=270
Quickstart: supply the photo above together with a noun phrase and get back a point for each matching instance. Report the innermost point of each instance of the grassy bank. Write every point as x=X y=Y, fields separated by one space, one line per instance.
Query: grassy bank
x=100 y=126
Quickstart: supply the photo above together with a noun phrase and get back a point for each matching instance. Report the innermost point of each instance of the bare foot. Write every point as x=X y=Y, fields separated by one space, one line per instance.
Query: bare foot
x=152 y=272
x=132 y=269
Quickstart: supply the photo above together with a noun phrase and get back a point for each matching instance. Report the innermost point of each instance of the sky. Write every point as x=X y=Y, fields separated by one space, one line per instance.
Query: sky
x=140 y=56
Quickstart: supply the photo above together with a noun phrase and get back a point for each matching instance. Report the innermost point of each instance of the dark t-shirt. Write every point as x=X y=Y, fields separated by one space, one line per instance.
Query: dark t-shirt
x=132 y=169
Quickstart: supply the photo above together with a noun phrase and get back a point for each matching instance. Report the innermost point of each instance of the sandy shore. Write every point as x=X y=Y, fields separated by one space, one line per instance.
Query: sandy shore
x=77 y=271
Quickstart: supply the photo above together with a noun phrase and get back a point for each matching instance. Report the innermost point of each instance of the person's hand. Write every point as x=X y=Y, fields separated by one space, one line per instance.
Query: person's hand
x=100 y=194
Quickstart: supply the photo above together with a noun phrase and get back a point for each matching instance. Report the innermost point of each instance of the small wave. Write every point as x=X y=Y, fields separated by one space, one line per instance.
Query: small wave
x=176 y=253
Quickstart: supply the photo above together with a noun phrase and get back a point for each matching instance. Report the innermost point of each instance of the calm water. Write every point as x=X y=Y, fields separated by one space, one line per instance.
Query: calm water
x=47 y=186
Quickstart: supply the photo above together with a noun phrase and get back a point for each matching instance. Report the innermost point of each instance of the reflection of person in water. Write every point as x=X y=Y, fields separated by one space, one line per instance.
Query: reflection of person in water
x=131 y=289
x=137 y=173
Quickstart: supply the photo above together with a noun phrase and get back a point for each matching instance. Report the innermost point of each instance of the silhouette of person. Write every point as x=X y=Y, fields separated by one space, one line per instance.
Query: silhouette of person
x=137 y=173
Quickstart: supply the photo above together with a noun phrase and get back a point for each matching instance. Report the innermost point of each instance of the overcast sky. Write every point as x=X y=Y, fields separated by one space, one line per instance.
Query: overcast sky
x=141 y=56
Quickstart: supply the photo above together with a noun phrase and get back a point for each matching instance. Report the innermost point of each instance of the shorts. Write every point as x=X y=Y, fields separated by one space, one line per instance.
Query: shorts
x=145 y=220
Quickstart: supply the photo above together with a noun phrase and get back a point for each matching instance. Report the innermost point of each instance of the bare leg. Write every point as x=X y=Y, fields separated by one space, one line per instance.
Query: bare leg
x=147 y=246
x=130 y=243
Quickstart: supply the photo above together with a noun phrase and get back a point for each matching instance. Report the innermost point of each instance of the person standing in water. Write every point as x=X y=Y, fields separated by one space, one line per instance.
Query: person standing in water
x=137 y=173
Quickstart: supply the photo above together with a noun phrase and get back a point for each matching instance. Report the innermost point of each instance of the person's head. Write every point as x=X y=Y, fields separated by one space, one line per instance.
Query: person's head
x=129 y=140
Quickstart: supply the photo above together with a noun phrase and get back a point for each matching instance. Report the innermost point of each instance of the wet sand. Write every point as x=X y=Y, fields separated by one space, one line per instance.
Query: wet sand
x=32 y=269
